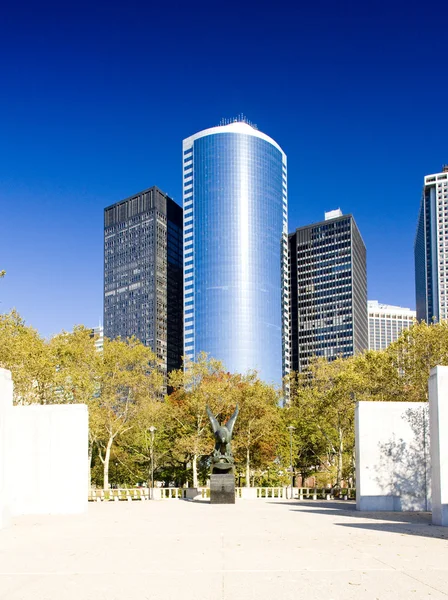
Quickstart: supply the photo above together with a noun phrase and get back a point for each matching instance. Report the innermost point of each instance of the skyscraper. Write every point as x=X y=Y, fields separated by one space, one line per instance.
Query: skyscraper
x=386 y=323
x=143 y=273
x=328 y=282
x=431 y=249
x=235 y=249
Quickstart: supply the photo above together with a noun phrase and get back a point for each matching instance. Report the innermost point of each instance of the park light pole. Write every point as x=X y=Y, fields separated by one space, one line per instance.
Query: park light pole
x=152 y=430
x=291 y=429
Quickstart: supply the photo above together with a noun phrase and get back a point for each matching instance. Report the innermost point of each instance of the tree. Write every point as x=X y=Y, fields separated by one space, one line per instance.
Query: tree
x=27 y=356
x=77 y=373
x=418 y=350
x=258 y=428
x=325 y=396
x=128 y=377
x=309 y=446
x=135 y=444
x=200 y=383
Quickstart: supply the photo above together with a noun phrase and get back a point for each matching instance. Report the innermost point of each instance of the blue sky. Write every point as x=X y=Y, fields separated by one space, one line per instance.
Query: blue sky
x=96 y=99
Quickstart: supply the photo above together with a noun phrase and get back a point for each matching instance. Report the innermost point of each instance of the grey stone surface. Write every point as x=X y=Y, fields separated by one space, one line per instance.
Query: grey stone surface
x=222 y=488
x=175 y=550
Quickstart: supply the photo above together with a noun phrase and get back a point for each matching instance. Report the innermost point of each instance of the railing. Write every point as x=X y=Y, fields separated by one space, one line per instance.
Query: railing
x=323 y=494
x=202 y=493
x=119 y=494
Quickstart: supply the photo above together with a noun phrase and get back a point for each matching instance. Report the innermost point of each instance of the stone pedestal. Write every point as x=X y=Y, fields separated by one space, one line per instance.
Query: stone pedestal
x=222 y=488
x=155 y=494
x=438 y=412
x=248 y=493
x=192 y=494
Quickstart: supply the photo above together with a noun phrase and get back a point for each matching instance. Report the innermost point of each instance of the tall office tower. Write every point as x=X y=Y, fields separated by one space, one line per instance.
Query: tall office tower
x=386 y=323
x=143 y=273
x=235 y=249
x=328 y=282
x=431 y=249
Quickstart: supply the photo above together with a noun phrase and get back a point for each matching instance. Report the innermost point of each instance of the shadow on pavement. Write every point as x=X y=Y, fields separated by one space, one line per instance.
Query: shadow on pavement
x=422 y=529
x=406 y=523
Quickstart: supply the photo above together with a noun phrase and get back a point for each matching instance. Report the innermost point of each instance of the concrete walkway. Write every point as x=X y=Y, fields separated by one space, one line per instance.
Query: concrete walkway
x=255 y=549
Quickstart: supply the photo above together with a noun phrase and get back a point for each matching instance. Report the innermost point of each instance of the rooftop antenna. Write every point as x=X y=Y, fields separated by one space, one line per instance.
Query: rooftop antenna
x=240 y=118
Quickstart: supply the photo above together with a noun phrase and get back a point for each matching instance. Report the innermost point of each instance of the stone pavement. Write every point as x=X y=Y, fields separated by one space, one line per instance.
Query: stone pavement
x=255 y=549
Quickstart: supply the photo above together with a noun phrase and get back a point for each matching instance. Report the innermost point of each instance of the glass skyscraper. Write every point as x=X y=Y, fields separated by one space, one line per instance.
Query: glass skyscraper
x=431 y=249
x=235 y=249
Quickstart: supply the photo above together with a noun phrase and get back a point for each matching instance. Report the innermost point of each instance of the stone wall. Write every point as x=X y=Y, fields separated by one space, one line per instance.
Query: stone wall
x=393 y=466
x=43 y=457
x=438 y=406
x=5 y=411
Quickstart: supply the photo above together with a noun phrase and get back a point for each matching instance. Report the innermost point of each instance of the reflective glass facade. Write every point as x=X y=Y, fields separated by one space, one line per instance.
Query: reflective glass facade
x=235 y=249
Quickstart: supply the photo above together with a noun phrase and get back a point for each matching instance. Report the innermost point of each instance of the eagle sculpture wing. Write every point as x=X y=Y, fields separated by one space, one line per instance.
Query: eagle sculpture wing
x=231 y=421
x=213 y=421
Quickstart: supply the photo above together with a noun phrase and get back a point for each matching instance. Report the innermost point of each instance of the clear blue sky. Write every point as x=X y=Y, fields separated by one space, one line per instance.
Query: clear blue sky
x=96 y=99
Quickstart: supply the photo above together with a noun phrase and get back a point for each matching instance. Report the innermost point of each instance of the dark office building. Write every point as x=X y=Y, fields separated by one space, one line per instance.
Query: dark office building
x=143 y=279
x=328 y=290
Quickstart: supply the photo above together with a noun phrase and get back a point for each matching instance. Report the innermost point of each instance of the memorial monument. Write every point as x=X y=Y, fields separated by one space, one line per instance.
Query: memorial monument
x=222 y=478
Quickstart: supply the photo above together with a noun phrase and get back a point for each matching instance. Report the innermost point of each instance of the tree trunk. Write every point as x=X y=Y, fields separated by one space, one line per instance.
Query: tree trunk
x=354 y=468
x=194 y=464
x=247 y=468
x=89 y=463
x=340 y=452
x=106 y=463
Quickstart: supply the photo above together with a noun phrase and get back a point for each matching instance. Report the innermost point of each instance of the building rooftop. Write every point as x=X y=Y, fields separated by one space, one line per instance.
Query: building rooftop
x=375 y=306
x=333 y=214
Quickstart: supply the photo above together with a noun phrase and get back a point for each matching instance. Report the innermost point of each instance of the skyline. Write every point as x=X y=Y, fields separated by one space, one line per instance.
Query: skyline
x=93 y=115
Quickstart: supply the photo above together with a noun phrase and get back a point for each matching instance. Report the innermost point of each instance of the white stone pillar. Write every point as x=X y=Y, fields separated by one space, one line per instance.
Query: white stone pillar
x=438 y=416
x=6 y=390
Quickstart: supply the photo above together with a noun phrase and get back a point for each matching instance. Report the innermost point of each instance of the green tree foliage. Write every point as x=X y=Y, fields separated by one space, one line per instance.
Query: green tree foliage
x=134 y=446
x=323 y=407
x=205 y=382
x=122 y=388
x=259 y=428
x=27 y=356
x=417 y=351
x=201 y=383
x=323 y=398
x=128 y=379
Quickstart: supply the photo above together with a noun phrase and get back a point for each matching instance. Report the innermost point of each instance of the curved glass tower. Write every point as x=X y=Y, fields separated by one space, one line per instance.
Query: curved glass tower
x=235 y=249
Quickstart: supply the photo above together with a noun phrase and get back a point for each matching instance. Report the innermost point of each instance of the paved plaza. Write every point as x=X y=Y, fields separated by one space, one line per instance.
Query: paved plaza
x=253 y=550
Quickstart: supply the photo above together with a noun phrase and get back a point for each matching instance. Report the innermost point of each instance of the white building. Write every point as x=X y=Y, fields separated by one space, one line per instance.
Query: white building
x=386 y=323
x=431 y=249
x=98 y=334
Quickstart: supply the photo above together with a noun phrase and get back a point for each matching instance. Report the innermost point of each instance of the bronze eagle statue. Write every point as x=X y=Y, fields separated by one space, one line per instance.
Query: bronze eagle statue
x=222 y=455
